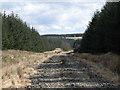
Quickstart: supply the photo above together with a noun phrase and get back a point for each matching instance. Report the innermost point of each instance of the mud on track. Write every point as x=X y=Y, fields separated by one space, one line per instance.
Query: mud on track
x=66 y=71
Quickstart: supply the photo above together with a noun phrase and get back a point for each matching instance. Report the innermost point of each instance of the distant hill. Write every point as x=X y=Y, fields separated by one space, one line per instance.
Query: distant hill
x=66 y=36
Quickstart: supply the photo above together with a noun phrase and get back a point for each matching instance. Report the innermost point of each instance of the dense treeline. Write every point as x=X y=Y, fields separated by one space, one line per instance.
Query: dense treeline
x=16 y=34
x=63 y=35
x=103 y=32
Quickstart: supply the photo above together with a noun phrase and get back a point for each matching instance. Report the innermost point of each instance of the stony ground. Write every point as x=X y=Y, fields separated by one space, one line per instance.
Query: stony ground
x=66 y=71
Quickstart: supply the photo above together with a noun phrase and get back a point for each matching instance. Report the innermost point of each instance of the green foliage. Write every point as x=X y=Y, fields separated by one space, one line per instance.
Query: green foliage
x=63 y=35
x=16 y=34
x=103 y=32
x=76 y=45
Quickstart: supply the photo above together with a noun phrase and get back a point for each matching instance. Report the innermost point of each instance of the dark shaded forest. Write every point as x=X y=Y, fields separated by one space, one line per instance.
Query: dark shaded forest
x=103 y=32
x=17 y=35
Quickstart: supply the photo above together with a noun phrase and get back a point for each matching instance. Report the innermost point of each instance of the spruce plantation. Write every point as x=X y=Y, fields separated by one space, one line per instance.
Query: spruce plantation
x=17 y=35
x=103 y=32
x=77 y=60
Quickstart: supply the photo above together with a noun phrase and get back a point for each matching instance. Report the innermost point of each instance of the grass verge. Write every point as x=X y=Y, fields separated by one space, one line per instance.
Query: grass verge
x=18 y=66
x=107 y=65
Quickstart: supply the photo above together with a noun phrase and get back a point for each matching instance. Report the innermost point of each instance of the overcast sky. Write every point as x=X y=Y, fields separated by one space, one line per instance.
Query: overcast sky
x=55 y=17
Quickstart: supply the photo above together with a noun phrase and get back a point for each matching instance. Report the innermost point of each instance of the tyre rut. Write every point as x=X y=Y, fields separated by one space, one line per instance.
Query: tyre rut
x=66 y=71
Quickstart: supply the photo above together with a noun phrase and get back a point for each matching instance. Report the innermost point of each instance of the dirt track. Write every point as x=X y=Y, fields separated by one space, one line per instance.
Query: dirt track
x=66 y=71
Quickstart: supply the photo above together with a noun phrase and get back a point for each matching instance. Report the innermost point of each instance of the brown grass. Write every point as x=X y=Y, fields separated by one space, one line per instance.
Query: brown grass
x=17 y=67
x=108 y=64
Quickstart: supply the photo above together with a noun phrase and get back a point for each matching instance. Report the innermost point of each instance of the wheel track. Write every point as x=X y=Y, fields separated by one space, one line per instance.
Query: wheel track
x=73 y=73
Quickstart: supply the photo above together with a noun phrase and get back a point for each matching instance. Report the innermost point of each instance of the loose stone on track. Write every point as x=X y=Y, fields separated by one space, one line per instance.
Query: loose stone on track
x=63 y=71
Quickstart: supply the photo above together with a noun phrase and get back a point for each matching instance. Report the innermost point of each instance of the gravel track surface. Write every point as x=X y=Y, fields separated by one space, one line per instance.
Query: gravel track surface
x=66 y=71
